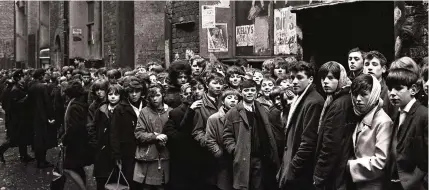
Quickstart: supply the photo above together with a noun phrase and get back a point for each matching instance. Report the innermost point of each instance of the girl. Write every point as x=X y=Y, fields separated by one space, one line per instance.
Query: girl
x=179 y=74
x=234 y=77
x=99 y=136
x=152 y=165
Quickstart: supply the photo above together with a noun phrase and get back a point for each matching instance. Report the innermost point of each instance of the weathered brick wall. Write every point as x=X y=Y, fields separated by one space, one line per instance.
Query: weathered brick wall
x=110 y=32
x=56 y=28
x=184 y=38
x=149 y=31
x=414 y=31
x=6 y=34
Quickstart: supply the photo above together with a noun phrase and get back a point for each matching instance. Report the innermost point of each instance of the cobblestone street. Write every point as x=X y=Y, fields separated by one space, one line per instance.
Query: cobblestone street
x=15 y=175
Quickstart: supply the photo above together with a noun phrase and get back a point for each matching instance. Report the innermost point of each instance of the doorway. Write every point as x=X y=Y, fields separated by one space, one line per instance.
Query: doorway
x=329 y=32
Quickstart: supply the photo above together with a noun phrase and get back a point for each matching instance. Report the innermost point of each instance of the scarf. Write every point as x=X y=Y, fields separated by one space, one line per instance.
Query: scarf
x=136 y=110
x=343 y=82
x=294 y=105
x=374 y=98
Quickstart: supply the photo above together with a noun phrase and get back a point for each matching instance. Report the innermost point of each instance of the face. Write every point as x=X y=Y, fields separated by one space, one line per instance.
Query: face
x=152 y=79
x=182 y=79
x=266 y=87
x=400 y=95
x=355 y=61
x=329 y=83
x=286 y=83
x=278 y=102
x=141 y=70
x=113 y=97
x=230 y=101
x=134 y=95
x=300 y=81
x=361 y=100
x=186 y=94
x=374 y=68
x=196 y=69
x=249 y=94
x=257 y=77
x=155 y=99
x=101 y=94
x=198 y=91
x=86 y=79
x=278 y=72
x=235 y=80
x=164 y=83
x=214 y=88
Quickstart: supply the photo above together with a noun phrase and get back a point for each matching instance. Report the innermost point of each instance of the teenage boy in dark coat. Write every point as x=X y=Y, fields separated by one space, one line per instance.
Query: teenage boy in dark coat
x=297 y=168
x=335 y=128
x=410 y=131
x=249 y=138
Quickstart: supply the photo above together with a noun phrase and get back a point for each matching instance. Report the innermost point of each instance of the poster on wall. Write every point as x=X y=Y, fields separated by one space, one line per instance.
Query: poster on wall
x=285 y=35
x=244 y=35
x=222 y=4
x=208 y=19
x=261 y=45
x=77 y=34
x=217 y=38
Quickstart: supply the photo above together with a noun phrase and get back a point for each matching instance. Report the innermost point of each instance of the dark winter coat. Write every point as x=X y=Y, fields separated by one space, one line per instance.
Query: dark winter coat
x=59 y=105
x=5 y=103
x=20 y=130
x=122 y=139
x=411 y=153
x=278 y=126
x=237 y=141
x=99 y=139
x=184 y=157
x=337 y=127
x=41 y=110
x=301 y=140
x=202 y=113
x=76 y=139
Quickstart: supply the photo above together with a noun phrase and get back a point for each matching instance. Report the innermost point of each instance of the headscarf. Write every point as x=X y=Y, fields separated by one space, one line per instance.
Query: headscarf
x=374 y=98
x=343 y=82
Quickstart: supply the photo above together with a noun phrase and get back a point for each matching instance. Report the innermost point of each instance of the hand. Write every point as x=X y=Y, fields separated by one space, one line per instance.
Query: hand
x=196 y=104
x=119 y=164
x=51 y=121
x=161 y=137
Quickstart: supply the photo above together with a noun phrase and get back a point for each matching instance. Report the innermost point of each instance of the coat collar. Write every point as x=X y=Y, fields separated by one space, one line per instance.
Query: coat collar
x=369 y=117
x=242 y=111
x=208 y=103
x=104 y=109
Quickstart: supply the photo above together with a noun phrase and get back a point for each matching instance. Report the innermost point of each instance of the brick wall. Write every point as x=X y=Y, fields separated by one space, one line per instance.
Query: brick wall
x=109 y=32
x=6 y=34
x=184 y=37
x=414 y=31
x=56 y=28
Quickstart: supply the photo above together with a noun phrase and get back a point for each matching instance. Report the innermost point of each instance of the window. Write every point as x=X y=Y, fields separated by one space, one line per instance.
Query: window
x=90 y=26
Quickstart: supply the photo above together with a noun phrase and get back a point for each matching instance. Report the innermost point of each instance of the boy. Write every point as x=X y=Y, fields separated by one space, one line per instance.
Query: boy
x=214 y=142
x=375 y=64
x=301 y=130
x=355 y=61
x=249 y=138
x=410 y=129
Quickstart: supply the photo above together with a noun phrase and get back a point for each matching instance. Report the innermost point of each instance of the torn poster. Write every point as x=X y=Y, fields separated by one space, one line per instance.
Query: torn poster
x=208 y=19
x=244 y=35
x=217 y=38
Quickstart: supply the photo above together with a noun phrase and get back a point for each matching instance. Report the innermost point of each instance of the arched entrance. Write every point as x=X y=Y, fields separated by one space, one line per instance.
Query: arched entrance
x=58 y=56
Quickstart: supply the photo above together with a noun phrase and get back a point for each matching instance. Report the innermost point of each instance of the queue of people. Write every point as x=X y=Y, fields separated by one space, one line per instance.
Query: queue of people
x=203 y=124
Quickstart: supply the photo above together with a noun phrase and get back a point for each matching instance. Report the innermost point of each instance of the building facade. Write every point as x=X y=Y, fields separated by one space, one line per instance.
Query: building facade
x=130 y=33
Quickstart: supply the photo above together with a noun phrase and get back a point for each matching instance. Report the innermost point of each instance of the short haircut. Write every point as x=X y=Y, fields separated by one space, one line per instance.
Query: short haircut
x=113 y=74
x=230 y=92
x=268 y=64
x=424 y=73
x=268 y=79
x=376 y=54
x=216 y=77
x=361 y=84
x=101 y=71
x=115 y=88
x=184 y=87
x=401 y=76
x=248 y=84
x=330 y=67
x=241 y=62
x=279 y=62
x=234 y=70
x=357 y=49
x=199 y=60
x=306 y=67
x=85 y=72
x=280 y=79
x=197 y=81
x=74 y=89
x=406 y=63
x=152 y=90
x=100 y=84
x=276 y=91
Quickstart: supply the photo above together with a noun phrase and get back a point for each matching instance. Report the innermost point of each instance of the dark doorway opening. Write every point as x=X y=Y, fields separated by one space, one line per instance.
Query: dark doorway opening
x=329 y=32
